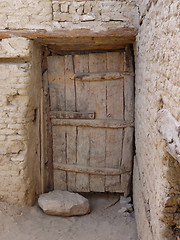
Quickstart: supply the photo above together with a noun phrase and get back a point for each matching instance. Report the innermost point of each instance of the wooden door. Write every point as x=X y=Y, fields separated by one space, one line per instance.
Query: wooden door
x=92 y=115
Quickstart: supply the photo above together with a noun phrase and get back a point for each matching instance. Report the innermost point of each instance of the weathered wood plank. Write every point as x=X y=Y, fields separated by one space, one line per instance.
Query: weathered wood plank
x=113 y=158
x=43 y=157
x=115 y=110
x=94 y=123
x=115 y=100
x=70 y=95
x=47 y=128
x=115 y=61
x=89 y=170
x=83 y=158
x=71 y=156
x=56 y=82
x=71 y=115
x=102 y=76
x=128 y=149
x=70 y=103
x=126 y=183
x=122 y=33
x=128 y=66
x=97 y=63
x=129 y=98
x=97 y=157
x=127 y=158
x=59 y=156
x=81 y=65
x=60 y=180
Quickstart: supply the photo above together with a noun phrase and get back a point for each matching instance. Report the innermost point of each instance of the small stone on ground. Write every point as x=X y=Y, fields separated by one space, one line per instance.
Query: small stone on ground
x=63 y=203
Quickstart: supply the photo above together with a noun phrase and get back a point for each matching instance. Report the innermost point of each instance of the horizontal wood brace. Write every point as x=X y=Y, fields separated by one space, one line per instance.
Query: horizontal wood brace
x=102 y=76
x=96 y=123
x=71 y=115
x=89 y=170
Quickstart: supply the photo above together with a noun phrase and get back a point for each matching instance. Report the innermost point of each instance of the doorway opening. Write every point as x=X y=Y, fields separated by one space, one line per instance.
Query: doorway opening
x=88 y=120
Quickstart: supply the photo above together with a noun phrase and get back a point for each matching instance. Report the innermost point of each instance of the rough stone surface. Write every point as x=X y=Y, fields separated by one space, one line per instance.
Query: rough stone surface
x=63 y=203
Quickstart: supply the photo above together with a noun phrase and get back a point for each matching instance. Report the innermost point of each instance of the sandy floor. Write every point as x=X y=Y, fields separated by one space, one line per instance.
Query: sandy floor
x=101 y=224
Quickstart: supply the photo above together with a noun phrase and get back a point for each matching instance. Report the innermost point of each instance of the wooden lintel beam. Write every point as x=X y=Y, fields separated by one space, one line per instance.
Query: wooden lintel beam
x=123 y=33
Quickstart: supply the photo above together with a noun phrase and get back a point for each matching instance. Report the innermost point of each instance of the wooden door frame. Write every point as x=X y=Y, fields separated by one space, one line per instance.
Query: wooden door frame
x=93 y=42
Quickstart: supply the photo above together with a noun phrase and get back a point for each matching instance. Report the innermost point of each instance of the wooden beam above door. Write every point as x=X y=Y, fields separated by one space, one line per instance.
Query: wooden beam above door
x=76 y=40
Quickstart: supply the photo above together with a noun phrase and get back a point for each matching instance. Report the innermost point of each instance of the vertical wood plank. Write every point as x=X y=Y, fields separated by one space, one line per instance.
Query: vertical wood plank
x=43 y=158
x=81 y=64
x=59 y=156
x=126 y=183
x=128 y=149
x=115 y=110
x=70 y=102
x=97 y=103
x=97 y=158
x=129 y=97
x=83 y=156
x=115 y=101
x=48 y=168
x=128 y=66
x=115 y=61
x=128 y=142
x=97 y=62
x=113 y=158
x=56 y=82
x=70 y=98
x=71 y=156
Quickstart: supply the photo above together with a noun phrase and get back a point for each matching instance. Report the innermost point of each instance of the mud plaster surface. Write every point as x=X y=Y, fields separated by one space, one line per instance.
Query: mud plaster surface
x=102 y=223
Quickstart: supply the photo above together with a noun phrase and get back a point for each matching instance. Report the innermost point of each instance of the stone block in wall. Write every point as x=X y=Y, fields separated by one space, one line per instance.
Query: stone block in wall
x=64 y=7
x=15 y=47
x=63 y=17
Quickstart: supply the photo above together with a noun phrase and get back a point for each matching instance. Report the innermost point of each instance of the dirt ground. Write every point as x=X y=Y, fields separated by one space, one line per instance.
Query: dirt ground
x=101 y=224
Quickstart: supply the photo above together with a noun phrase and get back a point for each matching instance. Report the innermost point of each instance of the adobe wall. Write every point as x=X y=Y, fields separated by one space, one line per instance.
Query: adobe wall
x=156 y=173
x=61 y=14
x=20 y=81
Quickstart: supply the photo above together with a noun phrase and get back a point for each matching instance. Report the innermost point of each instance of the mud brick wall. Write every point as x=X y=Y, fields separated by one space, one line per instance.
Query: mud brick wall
x=156 y=177
x=98 y=15
x=57 y=14
x=19 y=127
